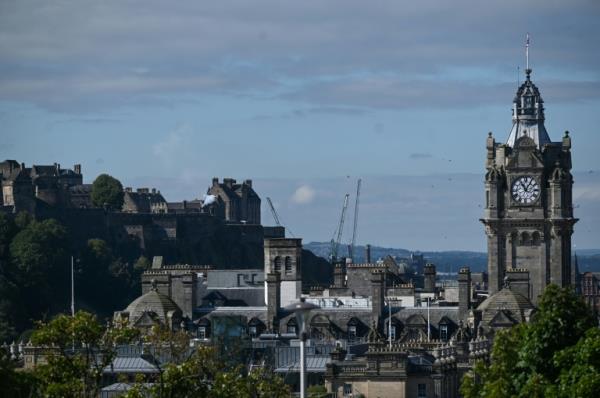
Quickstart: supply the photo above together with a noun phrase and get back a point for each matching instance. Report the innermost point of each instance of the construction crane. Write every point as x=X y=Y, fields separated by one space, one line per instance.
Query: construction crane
x=337 y=235
x=274 y=212
x=351 y=246
x=276 y=216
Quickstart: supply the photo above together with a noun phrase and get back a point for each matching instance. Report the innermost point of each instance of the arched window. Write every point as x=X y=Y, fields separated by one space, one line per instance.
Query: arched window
x=278 y=262
x=288 y=265
x=536 y=238
x=292 y=326
x=525 y=239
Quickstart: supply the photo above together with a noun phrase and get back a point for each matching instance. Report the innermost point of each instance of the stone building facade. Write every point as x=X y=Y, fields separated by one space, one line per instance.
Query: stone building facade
x=528 y=194
x=240 y=202
x=24 y=188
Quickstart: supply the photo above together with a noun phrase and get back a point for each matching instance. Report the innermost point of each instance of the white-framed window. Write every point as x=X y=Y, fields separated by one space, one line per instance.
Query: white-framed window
x=444 y=332
x=291 y=329
x=422 y=391
x=252 y=331
x=347 y=390
x=202 y=332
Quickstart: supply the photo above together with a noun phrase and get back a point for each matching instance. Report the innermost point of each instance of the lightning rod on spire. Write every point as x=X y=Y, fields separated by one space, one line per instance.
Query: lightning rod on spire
x=527 y=52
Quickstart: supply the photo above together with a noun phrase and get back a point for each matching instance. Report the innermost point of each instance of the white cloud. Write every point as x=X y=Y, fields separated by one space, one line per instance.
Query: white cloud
x=173 y=145
x=304 y=195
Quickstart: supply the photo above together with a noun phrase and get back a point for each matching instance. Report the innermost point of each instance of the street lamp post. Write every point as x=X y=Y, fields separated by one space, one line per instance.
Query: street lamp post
x=302 y=310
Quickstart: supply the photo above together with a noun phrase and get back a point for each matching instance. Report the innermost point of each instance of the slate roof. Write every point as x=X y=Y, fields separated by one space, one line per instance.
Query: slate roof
x=243 y=297
x=152 y=301
x=505 y=299
x=314 y=364
x=130 y=365
x=81 y=189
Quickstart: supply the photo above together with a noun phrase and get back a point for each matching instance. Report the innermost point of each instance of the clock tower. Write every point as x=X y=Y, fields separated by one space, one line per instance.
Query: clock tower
x=528 y=199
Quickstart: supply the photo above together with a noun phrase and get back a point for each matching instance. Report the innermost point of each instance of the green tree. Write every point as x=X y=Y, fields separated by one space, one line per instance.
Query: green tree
x=553 y=356
x=317 y=391
x=8 y=229
x=205 y=374
x=13 y=383
x=76 y=373
x=22 y=219
x=39 y=248
x=40 y=265
x=107 y=191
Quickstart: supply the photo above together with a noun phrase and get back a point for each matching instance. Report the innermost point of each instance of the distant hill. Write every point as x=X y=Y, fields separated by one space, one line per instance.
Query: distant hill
x=447 y=261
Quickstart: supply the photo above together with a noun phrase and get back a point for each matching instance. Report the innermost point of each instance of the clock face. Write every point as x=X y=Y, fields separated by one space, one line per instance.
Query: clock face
x=525 y=190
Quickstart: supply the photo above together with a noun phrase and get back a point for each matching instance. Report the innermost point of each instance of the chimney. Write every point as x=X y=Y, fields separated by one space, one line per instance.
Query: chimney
x=153 y=190
x=248 y=183
x=429 y=278
x=339 y=275
x=464 y=293
x=229 y=182
x=377 y=289
x=368 y=253
x=273 y=298
x=215 y=181
x=77 y=168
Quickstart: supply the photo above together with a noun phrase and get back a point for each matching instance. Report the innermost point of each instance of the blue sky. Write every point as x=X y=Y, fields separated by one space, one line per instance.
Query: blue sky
x=172 y=94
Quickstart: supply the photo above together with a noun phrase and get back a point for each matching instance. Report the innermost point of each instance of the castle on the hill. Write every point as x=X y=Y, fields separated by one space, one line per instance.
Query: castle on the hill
x=31 y=188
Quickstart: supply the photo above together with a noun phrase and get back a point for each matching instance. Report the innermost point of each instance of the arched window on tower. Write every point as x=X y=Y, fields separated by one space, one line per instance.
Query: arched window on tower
x=536 y=238
x=525 y=239
x=288 y=265
x=277 y=262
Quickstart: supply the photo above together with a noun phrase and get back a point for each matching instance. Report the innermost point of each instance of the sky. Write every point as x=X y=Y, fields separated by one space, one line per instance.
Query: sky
x=304 y=98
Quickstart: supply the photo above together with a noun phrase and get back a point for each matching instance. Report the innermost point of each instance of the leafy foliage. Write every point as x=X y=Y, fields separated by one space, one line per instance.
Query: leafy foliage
x=556 y=355
x=79 y=348
x=204 y=374
x=317 y=391
x=107 y=191
x=12 y=383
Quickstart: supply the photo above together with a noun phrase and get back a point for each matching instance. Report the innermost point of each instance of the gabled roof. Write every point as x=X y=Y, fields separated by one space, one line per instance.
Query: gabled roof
x=503 y=318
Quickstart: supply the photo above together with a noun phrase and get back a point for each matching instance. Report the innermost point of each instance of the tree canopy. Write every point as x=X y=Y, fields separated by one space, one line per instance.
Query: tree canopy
x=556 y=355
x=107 y=191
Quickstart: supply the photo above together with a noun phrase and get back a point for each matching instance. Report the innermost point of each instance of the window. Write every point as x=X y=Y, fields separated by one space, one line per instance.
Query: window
x=291 y=329
x=392 y=332
x=278 y=262
x=351 y=331
x=252 y=331
x=288 y=265
x=422 y=391
x=347 y=389
x=444 y=332
x=202 y=332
